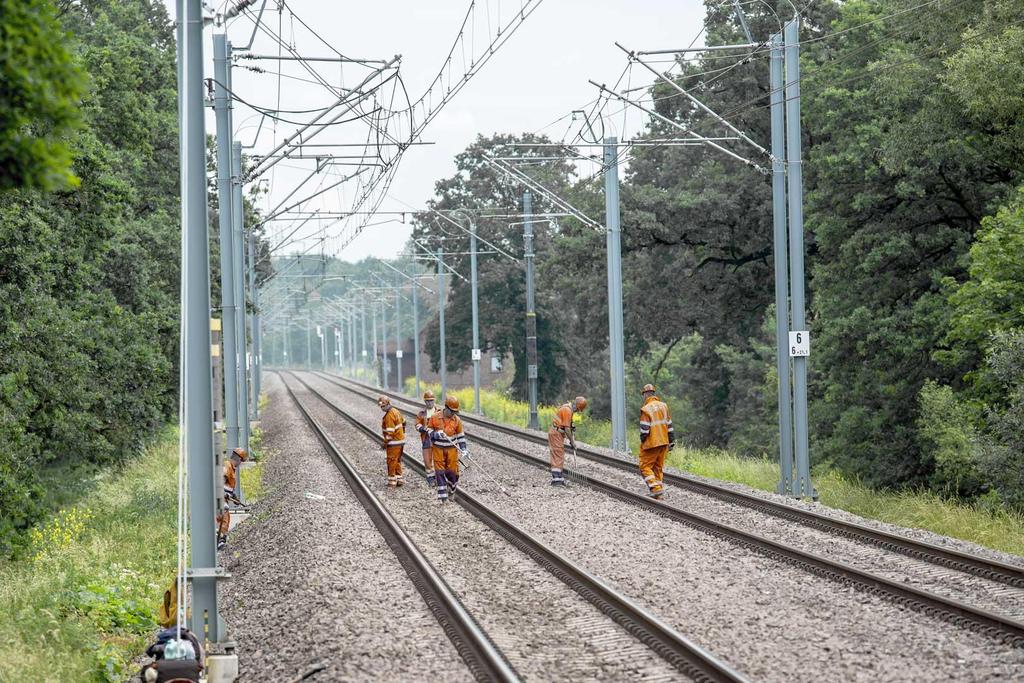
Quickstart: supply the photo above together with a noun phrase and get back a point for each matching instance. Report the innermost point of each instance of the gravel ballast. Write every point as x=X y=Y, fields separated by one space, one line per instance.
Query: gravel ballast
x=314 y=582
x=770 y=620
x=546 y=630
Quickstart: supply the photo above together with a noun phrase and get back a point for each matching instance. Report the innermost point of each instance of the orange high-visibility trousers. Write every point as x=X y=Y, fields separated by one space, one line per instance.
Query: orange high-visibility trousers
x=446 y=469
x=652 y=466
x=223 y=522
x=428 y=459
x=394 y=460
x=556 y=445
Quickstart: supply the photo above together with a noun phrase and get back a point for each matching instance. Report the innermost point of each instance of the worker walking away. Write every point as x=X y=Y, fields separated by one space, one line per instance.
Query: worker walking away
x=230 y=473
x=562 y=428
x=422 y=420
x=448 y=441
x=656 y=440
x=392 y=427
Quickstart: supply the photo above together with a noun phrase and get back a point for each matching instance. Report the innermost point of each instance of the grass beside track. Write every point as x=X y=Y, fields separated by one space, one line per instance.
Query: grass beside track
x=999 y=528
x=81 y=603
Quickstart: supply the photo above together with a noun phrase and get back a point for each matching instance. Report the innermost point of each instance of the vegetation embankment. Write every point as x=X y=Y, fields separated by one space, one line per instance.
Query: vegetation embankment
x=982 y=522
x=81 y=601
x=81 y=598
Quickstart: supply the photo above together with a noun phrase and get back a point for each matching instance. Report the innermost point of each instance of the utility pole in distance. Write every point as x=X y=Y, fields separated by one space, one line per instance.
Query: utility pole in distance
x=440 y=319
x=616 y=351
x=531 y=314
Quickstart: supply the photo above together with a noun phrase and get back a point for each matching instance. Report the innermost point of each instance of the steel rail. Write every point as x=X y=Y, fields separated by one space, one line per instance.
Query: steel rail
x=967 y=563
x=484 y=660
x=685 y=655
x=1000 y=627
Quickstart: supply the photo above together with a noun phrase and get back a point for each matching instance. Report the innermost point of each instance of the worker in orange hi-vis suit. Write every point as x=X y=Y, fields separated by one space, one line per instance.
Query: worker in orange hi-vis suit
x=656 y=439
x=422 y=418
x=392 y=427
x=562 y=429
x=448 y=441
x=223 y=518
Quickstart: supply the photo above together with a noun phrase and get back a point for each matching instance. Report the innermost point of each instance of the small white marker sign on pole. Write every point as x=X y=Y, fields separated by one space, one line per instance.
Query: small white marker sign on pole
x=476 y=354
x=398 y=353
x=799 y=344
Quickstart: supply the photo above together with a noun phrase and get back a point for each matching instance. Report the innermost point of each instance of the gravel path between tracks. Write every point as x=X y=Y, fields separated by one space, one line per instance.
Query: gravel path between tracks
x=313 y=580
x=772 y=621
x=545 y=629
x=978 y=591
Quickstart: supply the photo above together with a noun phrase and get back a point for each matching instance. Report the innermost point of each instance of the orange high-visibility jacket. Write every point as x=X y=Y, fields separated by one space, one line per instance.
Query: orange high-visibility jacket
x=422 y=418
x=393 y=427
x=655 y=424
x=447 y=432
x=563 y=418
x=229 y=475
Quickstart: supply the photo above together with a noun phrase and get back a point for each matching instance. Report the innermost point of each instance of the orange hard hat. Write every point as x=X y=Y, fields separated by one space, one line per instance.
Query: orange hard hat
x=581 y=402
x=648 y=388
x=452 y=404
x=383 y=400
x=428 y=395
x=241 y=453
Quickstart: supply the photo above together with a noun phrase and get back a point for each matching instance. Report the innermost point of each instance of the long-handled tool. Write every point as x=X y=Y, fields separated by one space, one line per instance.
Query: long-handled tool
x=492 y=479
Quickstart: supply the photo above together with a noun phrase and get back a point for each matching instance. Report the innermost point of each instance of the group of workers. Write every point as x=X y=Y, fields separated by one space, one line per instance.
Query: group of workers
x=443 y=441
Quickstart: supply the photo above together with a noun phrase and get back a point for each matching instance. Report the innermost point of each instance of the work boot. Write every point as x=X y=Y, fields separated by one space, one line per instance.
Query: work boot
x=399 y=483
x=432 y=481
x=656 y=495
x=221 y=542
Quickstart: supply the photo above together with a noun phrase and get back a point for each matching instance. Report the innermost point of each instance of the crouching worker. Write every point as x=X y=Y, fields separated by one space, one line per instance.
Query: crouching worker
x=562 y=428
x=392 y=427
x=448 y=441
x=231 y=474
x=422 y=420
x=656 y=439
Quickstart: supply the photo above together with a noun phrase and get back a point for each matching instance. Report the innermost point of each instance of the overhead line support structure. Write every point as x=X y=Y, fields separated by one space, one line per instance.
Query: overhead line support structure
x=196 y=366
x=238 y=280
x=222 y=111
x=531 y=312
x=795 y=187
x=616 y=344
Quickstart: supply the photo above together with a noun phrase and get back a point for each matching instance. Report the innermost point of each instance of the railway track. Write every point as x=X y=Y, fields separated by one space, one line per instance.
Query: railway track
x=482 y=658
x=1000 y=626
x=986 y=568
x=685 y=656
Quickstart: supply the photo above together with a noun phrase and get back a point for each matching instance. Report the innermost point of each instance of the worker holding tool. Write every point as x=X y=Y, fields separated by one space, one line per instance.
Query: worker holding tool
x=448 y=441
x=656 y=440
x=392 y=427
x=562 y=428
x=422 y=418
x=230 y=473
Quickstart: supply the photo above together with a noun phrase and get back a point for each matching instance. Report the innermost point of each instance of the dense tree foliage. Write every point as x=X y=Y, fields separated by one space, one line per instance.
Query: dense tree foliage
x=39 y=98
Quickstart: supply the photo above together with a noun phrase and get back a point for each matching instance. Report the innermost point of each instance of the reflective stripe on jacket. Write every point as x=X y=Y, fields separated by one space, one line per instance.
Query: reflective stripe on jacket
x=393 y=427
x=446 y=432
x=655 y=424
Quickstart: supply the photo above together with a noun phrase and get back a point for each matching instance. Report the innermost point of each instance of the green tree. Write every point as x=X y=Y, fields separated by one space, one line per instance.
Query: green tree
x=39 y=99
x=899 y=175
x=502 y=288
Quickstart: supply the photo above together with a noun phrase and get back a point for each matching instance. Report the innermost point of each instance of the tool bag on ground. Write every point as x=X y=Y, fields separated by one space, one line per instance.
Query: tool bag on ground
x=171 y=671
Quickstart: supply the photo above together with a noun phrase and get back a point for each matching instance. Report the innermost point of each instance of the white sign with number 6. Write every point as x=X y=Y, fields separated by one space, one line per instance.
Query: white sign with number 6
x=799 y=344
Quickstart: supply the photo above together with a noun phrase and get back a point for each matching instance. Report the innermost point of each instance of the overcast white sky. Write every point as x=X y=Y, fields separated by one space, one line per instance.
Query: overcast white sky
x=539 y=75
